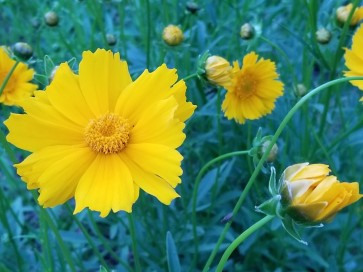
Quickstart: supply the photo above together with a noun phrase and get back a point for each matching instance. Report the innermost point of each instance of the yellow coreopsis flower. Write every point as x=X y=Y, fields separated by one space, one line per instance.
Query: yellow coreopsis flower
x=218 y=71
x=253 y=90
x=173 y=35
x=354 y=58
x=18 y=86
x=311 y=196
x=344 y=11
x=99 y=136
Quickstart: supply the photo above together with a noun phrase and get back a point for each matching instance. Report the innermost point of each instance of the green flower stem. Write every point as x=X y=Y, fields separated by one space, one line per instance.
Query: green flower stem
x=134 y=243
x=148 y=33
x=190 y=76
x=244 y=235
x=87 y=236
x=195 y=192
x=65 y=251
x=3 y=85
x=264 y=157
x=5 y=144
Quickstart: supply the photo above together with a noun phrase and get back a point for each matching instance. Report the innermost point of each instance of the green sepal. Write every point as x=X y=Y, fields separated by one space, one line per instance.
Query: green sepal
x=272 y=184
x=201 y=64
x=290 y=226
x=270 y=206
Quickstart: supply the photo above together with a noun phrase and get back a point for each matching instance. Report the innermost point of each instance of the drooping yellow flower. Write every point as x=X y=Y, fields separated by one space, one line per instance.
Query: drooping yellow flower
x=218 y=71
x=99 y=136
x=312 y=196
x=354 y=59
x=254 y=89
x=173 y=35
x=344 y=11
x=18 y=87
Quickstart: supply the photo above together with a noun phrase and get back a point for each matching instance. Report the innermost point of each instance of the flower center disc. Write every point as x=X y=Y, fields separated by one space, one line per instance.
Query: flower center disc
x=246 y=85
x=107 y=134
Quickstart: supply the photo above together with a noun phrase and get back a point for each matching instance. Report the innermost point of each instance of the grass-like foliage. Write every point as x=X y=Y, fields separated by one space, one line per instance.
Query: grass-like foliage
x=288 y=103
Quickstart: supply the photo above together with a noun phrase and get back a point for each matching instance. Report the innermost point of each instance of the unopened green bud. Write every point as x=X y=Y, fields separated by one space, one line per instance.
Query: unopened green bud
x=22 y=50
x=51 y=18
x=247 y=31
x=301 y=90
x=192 y=7
x=273 y=152
x=323 y=36
x=111 y=39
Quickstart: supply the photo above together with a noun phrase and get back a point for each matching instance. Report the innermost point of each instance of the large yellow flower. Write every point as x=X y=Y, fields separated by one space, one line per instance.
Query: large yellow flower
x=99 y=136
x=354 y=59
x=254 y=89
x=18 y=87
x=312 y=196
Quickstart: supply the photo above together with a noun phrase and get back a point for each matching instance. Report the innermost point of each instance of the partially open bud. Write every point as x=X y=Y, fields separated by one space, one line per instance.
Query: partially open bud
x=247 y=31
x=343 y=12
x=218 y=71
x=111 y=39
x=51 y=18
x=306 y=195
x=22 y=50
x=323 y=35
x=173 y=35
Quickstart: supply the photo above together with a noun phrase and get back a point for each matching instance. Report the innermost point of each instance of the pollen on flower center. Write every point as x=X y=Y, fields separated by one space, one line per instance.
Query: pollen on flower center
x=246 y=85
x=107 y=134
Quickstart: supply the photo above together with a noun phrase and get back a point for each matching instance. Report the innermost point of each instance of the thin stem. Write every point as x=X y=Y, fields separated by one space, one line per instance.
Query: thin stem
x=244 y=235
x=134 y=243
x=195 y=193
x=264 y=157
x=8 y=76
x=148 y=33
x=190 y=76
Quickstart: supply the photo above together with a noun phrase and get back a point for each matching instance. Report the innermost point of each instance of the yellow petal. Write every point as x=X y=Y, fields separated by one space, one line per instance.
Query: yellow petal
x=150 y=183
x=107 y=184
x=102 y=79
x=157 y=159
x=58 y=181
x=310 y=211
x=33 y=134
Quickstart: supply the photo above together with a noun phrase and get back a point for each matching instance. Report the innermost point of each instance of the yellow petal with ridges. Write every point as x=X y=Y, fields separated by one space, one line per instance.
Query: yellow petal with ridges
x=150 y=183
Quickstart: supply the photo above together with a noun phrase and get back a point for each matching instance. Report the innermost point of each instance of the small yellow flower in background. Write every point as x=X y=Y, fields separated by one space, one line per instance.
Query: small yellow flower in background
x=218 y=71
x=18 y=87
x=311 y=196
x=253 y=90
x=343 y=12
x=99 y=136
x=354 y=59
x=173 y=35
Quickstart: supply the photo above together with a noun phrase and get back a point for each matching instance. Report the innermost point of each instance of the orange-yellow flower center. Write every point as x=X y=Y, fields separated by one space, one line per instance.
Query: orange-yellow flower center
x=107 y=134
x=246 y=85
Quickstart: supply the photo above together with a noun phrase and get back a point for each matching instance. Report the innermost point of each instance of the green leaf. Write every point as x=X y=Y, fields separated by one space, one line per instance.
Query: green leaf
x=289 y=225
x=172 y=254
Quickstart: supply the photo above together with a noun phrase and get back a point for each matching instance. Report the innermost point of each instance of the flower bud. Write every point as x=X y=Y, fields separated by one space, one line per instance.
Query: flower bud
x=247 y=31
x=218 y=71
x=192 y=7
x=111 y=39
x=273 y=152
x=22 y=50
x=323 y=35
x=51 y=18
x=310 y=196
x=173 y=35
x=343 y=12
x=301 y=90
